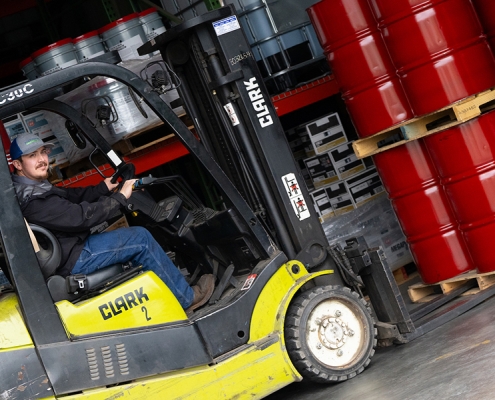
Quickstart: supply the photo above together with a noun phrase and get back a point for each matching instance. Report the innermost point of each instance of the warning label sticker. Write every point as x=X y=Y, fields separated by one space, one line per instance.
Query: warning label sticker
x=231 y=113
x=226 y=25
x=249 y=282
x=295 y=195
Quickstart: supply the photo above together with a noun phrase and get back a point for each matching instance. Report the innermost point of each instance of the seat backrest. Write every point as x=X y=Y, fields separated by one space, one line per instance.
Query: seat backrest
x=47 y=249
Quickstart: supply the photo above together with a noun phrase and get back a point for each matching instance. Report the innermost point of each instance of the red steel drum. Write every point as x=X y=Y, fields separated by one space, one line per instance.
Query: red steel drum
x=375 y=100
x=424 y=212
x=387 y=10
x=360 y=62
x=4 y=137
x=438 y=48
x=338 y=22
x=486 y=14
x=465 y=159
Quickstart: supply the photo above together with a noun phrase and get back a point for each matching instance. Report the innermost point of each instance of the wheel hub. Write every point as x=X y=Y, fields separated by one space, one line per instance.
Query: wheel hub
x=333 y=332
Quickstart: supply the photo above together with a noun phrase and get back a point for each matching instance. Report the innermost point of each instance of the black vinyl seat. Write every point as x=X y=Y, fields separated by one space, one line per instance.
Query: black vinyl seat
x=74 y=287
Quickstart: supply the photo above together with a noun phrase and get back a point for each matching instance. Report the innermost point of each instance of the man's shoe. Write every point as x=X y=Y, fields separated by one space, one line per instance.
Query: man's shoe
x=202 y=291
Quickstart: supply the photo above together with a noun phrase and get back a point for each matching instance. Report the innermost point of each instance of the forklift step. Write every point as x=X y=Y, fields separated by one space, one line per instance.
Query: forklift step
x=416 y=128
x=419 y=292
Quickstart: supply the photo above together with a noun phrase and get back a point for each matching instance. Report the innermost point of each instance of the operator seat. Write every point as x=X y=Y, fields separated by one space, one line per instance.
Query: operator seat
x=74 y=286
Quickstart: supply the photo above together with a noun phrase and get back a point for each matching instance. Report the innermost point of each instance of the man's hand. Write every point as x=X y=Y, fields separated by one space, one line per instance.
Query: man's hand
x=127 y=188
x=110 y=185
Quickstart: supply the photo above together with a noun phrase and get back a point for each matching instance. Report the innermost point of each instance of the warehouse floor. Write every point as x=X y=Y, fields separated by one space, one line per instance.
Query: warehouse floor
x=454 y=361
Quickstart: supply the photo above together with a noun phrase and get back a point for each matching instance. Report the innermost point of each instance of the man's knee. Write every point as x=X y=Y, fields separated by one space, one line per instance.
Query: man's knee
x=140 y=232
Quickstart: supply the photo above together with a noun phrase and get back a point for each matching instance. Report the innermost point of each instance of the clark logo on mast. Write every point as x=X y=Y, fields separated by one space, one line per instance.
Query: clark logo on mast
x=258 y=102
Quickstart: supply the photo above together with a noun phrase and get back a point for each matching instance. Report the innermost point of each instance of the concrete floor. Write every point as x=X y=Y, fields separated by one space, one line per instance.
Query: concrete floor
x=454 y=361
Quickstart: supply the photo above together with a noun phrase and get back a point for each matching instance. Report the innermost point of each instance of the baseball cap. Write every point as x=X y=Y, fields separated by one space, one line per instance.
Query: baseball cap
x=25 y=144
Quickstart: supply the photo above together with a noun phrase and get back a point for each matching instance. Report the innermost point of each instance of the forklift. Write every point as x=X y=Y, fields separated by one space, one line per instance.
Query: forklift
x=286 y=306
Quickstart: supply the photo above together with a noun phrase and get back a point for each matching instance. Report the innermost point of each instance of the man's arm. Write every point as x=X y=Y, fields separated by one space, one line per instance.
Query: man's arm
x=91 y=193
x=57 y=213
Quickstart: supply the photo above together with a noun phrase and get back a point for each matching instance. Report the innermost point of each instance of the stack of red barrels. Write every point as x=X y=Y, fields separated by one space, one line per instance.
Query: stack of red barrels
x=399 y=59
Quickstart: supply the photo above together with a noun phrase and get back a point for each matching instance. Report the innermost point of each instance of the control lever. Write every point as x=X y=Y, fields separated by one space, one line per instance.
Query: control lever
x=145 y=181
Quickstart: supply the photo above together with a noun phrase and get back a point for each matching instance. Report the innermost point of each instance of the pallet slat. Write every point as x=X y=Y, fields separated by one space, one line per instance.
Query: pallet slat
x=147 y=137
x=416 y=128
x=128 y=146
x=419 y=291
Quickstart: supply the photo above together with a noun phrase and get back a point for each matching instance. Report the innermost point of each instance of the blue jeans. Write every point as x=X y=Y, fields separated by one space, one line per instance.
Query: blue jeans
x=137 y=245
x=3 y=279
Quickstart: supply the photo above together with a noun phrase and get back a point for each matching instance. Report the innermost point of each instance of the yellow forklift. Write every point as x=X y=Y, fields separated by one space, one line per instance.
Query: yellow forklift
x=280 y=311
x=284 y=307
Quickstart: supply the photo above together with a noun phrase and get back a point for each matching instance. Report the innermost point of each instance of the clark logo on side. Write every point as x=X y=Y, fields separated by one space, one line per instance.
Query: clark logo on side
x=123 y=303
x=259 y=103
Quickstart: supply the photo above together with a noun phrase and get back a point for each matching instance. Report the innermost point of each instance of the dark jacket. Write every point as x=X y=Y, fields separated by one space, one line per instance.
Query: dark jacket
x=69 y=213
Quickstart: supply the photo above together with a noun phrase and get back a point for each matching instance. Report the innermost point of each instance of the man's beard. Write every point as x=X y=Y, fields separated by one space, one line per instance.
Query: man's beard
x=47 y=172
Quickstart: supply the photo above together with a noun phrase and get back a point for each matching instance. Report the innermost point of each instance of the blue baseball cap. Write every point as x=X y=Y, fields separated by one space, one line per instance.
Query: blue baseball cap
x=25 y=144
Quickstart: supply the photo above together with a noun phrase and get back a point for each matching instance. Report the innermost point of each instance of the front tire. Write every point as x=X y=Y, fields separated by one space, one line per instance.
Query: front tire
x=330 y=334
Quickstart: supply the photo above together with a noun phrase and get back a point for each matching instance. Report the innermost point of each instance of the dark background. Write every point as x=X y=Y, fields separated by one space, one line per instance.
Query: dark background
x=29 y=25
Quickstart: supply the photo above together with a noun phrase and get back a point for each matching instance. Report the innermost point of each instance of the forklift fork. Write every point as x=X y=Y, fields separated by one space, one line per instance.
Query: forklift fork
x=395 y=321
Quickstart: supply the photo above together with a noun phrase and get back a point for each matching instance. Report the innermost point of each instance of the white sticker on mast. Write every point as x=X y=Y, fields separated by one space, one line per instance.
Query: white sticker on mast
x=231 y=113
x=295 y=196
x=112 y=155
x=226 y=25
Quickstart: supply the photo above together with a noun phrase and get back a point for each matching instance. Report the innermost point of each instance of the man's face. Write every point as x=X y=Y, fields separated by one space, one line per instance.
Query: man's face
x=33 y=165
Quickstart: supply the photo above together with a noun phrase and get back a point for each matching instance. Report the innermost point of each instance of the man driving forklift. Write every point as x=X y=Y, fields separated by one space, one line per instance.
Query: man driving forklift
x=70 y=213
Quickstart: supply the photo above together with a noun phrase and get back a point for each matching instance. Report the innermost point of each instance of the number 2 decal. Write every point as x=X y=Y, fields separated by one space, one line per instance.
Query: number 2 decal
x=145 y=310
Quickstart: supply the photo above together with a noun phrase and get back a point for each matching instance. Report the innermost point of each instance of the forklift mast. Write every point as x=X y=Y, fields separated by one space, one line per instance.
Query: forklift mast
x=224 y=93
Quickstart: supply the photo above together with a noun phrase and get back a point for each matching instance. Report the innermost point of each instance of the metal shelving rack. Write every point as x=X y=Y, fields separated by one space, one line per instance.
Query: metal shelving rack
x=165 y=152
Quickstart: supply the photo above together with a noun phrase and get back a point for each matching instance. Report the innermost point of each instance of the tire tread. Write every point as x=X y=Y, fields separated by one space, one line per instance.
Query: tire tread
x=294 y=341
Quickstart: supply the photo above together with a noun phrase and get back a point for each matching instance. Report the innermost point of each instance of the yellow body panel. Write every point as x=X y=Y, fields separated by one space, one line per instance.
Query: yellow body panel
x=258 y=369
x=13 y=332
x=269 y=312
x=140 y=302
x=254 y=373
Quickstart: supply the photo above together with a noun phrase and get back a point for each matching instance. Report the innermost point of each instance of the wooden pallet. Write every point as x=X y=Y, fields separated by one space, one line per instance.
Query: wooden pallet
x=148 y=137
x=183 y=117
x=440 y=120
x=137 y=143
x=419 y=292
x=401 y=275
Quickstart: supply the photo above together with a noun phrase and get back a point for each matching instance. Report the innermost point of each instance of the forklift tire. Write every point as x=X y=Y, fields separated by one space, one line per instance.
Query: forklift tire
x=330 y=334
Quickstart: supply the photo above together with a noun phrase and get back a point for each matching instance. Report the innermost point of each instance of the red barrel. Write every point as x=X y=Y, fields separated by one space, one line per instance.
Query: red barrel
x=376 y=101
x=4 y=137
x=465 y=159
x=355 y=50
x=438 y=48
x=486 y=14
x=424 y=212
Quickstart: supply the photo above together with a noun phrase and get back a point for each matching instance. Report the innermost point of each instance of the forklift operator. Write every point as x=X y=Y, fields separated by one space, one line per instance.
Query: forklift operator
x=70 y=213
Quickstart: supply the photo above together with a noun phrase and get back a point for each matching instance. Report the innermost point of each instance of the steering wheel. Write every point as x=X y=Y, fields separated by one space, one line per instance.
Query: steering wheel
x=50 y=253
x=125 y=170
